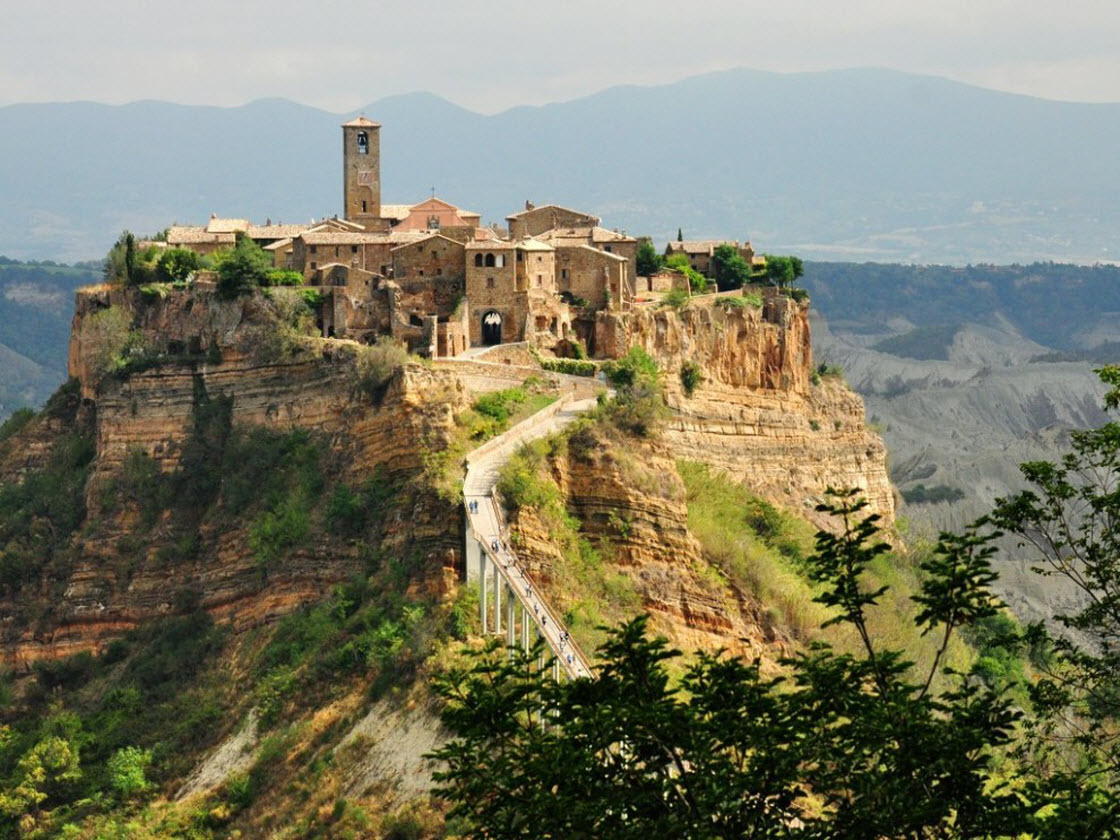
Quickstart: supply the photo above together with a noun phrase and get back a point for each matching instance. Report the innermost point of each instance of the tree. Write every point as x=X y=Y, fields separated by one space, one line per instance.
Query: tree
x=845 y=746
x=1069 y=517
x=731 y=270
x=783 y=271
x=177 y=264
x=680 y=235
x=120 y=263
x=648 y=260
x=243 y=269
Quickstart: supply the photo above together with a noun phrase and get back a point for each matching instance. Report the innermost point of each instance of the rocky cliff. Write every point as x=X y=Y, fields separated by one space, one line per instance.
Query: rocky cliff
x=196 y=349
x=760 y=412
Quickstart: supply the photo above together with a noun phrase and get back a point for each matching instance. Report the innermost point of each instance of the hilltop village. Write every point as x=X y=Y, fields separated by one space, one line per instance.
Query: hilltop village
x=434 y=277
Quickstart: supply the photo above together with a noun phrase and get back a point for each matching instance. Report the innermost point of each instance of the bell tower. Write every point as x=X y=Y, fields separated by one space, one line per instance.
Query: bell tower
x=361 y=175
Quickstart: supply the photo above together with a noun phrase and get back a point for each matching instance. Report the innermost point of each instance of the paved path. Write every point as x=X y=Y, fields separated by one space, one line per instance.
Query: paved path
x=487 y=524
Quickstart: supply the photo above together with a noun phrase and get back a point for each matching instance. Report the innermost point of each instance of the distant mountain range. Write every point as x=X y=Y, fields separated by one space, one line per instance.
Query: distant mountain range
x=856 y=164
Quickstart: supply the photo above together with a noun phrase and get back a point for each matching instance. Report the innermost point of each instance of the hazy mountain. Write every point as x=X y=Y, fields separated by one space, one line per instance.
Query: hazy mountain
x=865 y=164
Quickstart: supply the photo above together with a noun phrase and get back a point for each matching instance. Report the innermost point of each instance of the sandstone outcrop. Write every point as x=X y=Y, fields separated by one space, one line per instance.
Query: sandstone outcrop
x=759 y=413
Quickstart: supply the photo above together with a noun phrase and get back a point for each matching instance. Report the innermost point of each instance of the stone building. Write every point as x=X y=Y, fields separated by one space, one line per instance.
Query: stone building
x=594 y=276
x=511 y=290
x=533 y=221
x=607 y=241
x=701 y=251
x=361 y=180
x=432 y=256
x=433 y=214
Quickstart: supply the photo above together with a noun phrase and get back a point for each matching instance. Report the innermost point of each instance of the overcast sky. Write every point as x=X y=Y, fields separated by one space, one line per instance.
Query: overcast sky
x=488 y=55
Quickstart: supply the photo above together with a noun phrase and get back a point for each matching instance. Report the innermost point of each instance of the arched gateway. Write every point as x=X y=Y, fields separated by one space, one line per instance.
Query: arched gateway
x=491 y=327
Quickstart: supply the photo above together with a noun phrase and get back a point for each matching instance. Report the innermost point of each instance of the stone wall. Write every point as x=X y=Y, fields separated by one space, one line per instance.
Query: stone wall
x=437 y=256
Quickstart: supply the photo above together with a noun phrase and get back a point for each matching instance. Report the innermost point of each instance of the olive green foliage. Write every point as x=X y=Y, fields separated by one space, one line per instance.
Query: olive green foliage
x=648 y=261
x=39 y=513
x=1069 y=519
x=282 y=277
x=782 y=271
x=731 y=270
x=691 y=377
x=675 y=298
x=572 y=367
x=696 y=281
x=127 y=768
x=243 y=269
x=176 y=265
x=377 y=364
x=638 y=406
x=17 y=421
x=845 y=746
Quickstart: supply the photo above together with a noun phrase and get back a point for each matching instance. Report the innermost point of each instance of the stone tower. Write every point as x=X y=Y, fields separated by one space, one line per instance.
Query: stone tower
x=361 y=176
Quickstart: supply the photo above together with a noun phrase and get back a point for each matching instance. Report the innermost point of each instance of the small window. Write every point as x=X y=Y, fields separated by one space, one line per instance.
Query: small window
x=540 y=259
x=490 y=261
x=500 y=261
x=607 y=248
x=520 y=256
x=420 y=271
x=540 y=280
x=313 y=249
x=478 y=260
x=489 y=282
x=353 y=249
x=384 y=271
x=563 y=274
x=439 y=272
x=364 y=205
x=314 y=266
x=363 y=145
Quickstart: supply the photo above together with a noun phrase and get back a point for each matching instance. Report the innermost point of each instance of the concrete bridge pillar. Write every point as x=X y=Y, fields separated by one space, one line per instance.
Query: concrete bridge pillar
x=510 y=641
x=482 y=589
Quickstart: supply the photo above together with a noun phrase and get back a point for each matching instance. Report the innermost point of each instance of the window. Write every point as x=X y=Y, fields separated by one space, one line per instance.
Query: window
x=363 y=145
x=540 y=280
x=607 y=248
x=353 y=249
x=313 y=249
x=364 y=205
x=540 y=259
x=478 y=260
x=563 y=274
x=489 y=282
x=439 y=272
x=520 y=256
x=500 y=261
x=420 y=271
x=490 y=263
x=314 y=266
x=435 y=254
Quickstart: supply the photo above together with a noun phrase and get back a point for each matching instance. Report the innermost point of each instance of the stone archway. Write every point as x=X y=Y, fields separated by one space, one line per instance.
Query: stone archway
x=491 y=327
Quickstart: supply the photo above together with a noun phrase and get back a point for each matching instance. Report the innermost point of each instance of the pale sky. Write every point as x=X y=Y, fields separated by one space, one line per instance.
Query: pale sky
x=488 y=55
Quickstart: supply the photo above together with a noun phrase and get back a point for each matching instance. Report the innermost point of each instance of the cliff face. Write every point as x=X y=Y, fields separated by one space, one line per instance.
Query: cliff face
x=208 y=349
x=757 y=413
x=630 y=503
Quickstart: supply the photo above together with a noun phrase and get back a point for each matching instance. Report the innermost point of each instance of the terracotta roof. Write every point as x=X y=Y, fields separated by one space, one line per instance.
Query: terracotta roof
x=360 y=237
x=335 y=224
x=599 y=234
x=491 y=245
x=425 y=240
x=361 y=122
x=606 y=255
x=700 y=246
x=396 y=211
x=530 y=244
x=275 y=231
x=197 y=235
x=216 y=225
x=278 y=244
x=551 y=207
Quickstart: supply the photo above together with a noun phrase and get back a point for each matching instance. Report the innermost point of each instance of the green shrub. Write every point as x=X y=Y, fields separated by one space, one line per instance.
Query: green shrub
x=377 y=364
x=176 y=265
x=243 y=269
x=572 y=367
x=691 y=377
x=282 y=277
x=675 y=298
